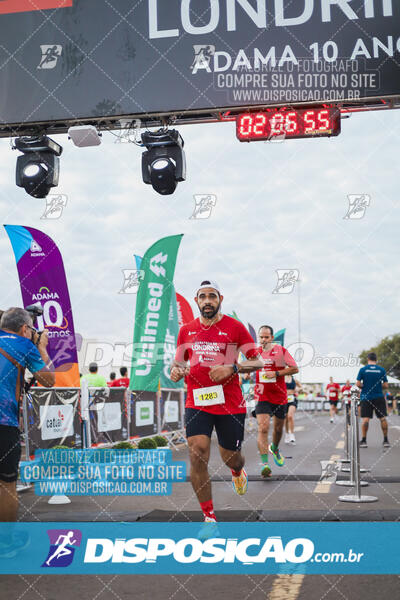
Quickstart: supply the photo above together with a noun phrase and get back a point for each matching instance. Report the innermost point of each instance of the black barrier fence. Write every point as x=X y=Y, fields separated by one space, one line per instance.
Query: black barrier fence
x=143 y=410
x=108 y=415
x=51 y=418
x=56 y=416
x=171 y=410
x=316 y=405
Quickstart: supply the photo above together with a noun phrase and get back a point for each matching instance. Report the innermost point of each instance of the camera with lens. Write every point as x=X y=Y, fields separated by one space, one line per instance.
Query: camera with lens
x=35 y=311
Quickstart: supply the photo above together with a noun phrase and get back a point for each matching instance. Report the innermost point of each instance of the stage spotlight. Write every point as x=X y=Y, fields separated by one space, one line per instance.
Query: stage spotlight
x=164 y=163
x=39 y=166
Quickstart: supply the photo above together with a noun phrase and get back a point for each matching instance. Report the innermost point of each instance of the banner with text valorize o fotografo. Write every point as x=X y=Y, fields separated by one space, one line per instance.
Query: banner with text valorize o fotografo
x=152 y=312
x=43 y=282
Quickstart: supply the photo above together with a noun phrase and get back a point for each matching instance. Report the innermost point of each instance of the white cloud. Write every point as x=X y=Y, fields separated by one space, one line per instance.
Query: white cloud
x=278 y=206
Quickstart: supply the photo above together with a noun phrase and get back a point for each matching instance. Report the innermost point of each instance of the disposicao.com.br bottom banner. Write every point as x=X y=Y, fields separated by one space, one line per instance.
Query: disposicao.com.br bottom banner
x=200 y=548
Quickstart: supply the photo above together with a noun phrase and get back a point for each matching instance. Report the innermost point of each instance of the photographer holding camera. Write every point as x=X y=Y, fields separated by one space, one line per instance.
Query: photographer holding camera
x=21 y=346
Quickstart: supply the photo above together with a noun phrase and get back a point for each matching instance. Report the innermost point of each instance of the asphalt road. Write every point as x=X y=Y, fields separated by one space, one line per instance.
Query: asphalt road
x=294 y=493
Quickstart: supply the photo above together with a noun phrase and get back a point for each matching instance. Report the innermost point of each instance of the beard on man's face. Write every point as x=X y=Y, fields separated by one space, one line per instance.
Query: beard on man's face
x=208 y=311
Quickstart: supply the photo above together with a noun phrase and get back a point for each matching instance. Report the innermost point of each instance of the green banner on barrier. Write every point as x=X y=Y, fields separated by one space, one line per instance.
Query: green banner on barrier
x=152 y=313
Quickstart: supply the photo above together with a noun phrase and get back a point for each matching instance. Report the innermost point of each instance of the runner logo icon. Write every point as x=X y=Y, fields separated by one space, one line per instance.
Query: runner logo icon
x=202 y=57
x=204 y=203
x=286 y=281
x=357 y=206
x=55 y=204
x=50 y=56
x=63 y=543
x=132 y=279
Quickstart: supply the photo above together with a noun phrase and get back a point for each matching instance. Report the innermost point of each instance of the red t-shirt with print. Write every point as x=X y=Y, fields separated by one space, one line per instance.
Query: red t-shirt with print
x=333 y=390
x=121 y=382
x=346 y=391
x=273 y=390
x=205 y=347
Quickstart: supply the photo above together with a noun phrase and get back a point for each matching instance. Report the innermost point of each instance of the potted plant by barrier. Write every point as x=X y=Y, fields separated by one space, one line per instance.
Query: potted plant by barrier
x=124 y=446
x=147 y=444
x=161 y=441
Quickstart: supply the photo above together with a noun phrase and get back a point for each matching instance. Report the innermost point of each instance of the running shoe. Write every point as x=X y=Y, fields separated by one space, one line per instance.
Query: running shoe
x=363 y=444
x=278 y=458
x=209 y=529
x=266 y=471
x=20 y=540
x=240 y=483
x=386 y=443
x=331 y=419
x=292 y=439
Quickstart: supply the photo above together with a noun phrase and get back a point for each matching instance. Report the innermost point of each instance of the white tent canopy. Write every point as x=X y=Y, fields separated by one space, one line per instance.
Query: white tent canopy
x=320 y=375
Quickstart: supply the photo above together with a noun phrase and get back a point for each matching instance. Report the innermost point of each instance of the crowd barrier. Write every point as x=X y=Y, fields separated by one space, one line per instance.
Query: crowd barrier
x=316 y=405
x=355 y=478
x=51 y=417
x=86 y=417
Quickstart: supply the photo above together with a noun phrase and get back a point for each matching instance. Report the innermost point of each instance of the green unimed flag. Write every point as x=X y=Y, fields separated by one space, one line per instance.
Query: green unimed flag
x=170 y=347
x=152 y=312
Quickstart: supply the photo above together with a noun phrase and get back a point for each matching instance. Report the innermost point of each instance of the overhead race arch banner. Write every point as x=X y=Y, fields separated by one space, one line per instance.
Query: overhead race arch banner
x=152 y=313
x=188 y=56
x=43 y=282
x=13 y=6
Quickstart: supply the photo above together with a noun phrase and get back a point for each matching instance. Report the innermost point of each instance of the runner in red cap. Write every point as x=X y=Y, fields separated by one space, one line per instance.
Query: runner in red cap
x=211 y=344
x=271 y=396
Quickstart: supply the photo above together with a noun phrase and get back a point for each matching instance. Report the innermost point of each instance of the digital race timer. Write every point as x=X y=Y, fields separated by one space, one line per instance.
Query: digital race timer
x=299 y=123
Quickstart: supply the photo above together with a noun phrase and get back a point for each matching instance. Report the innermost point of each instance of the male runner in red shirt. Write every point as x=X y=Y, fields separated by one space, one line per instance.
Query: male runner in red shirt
x=211 y=344
x=123 y=381
x=346 y=393
x=346 y=390
x=333 y=390
x=271 y=395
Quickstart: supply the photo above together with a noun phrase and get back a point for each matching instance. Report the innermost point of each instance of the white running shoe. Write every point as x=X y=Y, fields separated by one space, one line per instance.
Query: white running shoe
x=287 y=438
x=331 y=419
x=292 y=439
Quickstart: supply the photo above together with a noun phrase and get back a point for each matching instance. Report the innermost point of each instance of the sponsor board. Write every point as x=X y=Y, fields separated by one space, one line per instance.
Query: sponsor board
x=144 y=413
x=109 y=418
x=171 y=411
x=56 y=421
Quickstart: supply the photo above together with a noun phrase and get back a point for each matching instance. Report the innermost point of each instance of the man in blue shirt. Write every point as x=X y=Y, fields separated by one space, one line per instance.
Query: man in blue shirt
x=20 y=347
x=372 y=380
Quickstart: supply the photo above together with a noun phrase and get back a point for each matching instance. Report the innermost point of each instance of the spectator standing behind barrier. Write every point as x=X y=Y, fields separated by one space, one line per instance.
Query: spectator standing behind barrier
x=389 y=402
x=396 y=404
x=112 y=378
x=123 y=381
x=20 y=347
x=93 y=378
x=372 y=380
